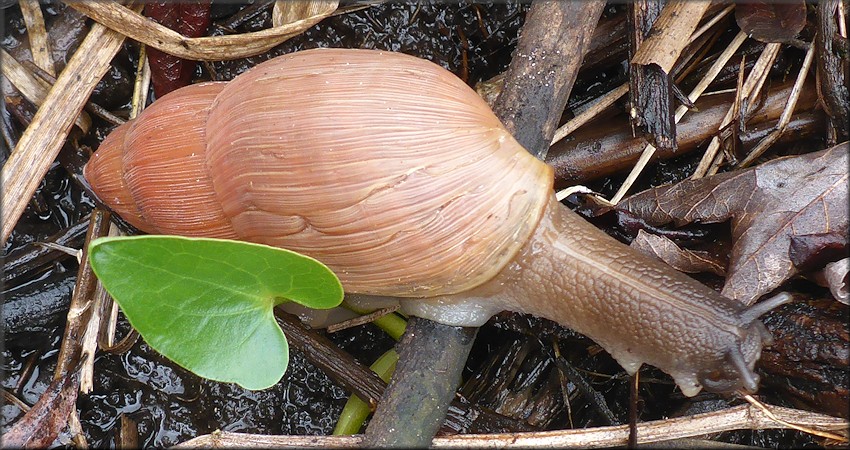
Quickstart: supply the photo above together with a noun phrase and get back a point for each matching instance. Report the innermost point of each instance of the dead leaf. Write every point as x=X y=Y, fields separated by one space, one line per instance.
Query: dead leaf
x=42 y=423
x=288 y=11
x=683 y=260
x=837 y=276
x=767 y=205
x=810 y=252
x=771 y=21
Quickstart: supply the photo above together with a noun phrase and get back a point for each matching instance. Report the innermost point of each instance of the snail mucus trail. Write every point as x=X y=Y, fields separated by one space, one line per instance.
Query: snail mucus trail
x=399 y=177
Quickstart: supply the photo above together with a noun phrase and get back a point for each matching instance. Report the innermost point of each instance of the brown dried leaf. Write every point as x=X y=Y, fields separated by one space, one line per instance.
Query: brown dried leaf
x=683 y=260
x=813 y=251
x=771 y=21
x=837 y=276
x=289 y=11
x=768 y=205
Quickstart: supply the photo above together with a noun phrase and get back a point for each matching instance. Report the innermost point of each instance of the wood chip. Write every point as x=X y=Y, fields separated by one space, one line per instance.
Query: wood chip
x=670 y=34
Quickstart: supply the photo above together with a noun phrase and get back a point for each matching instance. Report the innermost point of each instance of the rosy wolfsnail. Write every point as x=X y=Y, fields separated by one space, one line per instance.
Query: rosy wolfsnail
x=396 y=175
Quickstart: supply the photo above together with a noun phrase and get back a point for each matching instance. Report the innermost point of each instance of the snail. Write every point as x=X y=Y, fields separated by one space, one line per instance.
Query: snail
x=398 y=176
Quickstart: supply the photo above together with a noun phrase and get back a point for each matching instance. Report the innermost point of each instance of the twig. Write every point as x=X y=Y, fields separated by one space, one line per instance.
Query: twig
x=543 y=70
x=742 y=417
x=80 y=310
x=414 y=406
x=360 y=320
x=590 y=111
x=804 y=429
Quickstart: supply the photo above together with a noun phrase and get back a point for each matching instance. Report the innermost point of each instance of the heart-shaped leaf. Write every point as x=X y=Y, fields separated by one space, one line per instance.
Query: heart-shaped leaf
x=207 y=304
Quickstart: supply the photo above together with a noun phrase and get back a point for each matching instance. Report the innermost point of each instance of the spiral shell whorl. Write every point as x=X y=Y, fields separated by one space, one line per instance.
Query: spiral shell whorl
x=105 y=174
x=153 y=171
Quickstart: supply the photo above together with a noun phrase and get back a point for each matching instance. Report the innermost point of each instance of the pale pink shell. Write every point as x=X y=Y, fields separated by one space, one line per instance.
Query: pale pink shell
x=385 y=167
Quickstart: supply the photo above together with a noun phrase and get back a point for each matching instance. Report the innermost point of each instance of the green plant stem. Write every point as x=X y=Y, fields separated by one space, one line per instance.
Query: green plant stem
x=355 y=411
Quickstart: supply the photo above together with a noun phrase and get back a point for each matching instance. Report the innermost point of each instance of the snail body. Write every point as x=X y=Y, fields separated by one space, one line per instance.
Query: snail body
x=395 y=174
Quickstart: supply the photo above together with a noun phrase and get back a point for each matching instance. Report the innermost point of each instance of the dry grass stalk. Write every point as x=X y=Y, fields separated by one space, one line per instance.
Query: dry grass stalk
x=33 y=88
x=752 y=87
x=210 y=48
x=765 y=143
x=590 y=112
x=599 y=105
x=715 y=69
x=42 y=140
x=37 y=34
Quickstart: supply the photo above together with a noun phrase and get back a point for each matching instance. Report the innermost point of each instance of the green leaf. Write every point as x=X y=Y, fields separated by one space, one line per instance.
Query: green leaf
x=207 y=304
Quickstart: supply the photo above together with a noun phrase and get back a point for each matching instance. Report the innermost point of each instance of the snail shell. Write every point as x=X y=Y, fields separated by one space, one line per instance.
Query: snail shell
x=385 y=167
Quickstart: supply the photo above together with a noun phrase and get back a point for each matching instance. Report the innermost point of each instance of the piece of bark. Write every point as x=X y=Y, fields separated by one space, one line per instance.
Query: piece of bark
x=768 y=22
x=650 y=94
x=36 y=306
x=808 y=360
x=670 y=33
x=833 y=70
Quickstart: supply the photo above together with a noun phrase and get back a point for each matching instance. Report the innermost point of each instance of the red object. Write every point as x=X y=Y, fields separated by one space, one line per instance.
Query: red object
x=169 y=72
